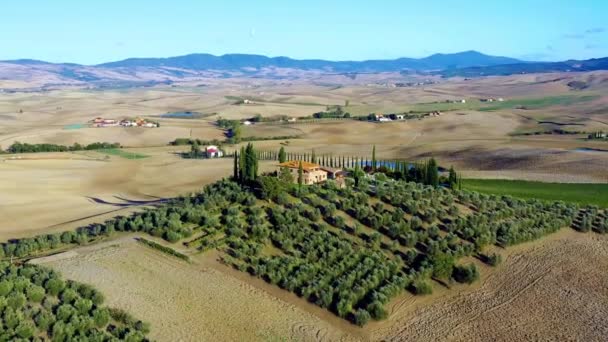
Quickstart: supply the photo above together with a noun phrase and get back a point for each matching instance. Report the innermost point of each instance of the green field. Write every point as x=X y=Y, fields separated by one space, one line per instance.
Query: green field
x=595 y=194
x=122 y=153
x=74 y=126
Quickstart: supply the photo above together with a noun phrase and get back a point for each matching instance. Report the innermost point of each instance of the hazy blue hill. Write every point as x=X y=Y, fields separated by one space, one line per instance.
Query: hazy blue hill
x=27 y=62
x=528 y=68
x=240 y=61
x=465 y=59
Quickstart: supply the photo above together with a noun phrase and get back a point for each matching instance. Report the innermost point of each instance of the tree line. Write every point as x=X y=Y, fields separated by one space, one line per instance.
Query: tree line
x=18 y=147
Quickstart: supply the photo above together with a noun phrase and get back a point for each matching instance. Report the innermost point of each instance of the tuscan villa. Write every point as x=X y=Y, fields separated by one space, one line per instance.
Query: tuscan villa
x=312 y=173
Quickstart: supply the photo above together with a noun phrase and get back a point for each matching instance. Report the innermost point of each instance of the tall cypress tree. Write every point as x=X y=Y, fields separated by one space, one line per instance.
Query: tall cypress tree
x=432 y=173
x=452 y=178
x=282 y=157
x=374 y=158
x=235 y=175
x=313 y=157
x=300 y=175
x=242 y=165
x=251 y=163
x=357 y=175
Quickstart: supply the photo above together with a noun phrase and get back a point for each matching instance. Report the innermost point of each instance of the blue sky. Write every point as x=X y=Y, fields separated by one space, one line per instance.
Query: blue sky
x=92 y=32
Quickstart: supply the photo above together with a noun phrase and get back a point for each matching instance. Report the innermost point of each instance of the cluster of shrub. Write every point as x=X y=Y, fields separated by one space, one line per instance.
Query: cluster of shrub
x=18 y=147
x=36 y=304
x=190 y=141
x=331 y=112
x=591 y=218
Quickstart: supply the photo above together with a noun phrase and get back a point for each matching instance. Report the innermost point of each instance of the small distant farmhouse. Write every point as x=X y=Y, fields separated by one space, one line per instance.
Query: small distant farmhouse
x=381 y=118
x=491 y=99
x=396 y=116
x=213 y=152
x=456 y=101
x=138 y=122
x=101 y=122
x=312 y=173
x=128 y=123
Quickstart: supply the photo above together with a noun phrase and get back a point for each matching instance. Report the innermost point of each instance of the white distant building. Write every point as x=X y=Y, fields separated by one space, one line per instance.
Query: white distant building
x=213 y=152
x=128 y=123
x=247 y=123
x=400 y=116
x=383 y=119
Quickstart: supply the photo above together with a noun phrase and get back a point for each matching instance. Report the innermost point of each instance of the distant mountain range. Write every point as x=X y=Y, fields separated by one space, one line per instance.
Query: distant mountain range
x=150 y=71
x=242 y=61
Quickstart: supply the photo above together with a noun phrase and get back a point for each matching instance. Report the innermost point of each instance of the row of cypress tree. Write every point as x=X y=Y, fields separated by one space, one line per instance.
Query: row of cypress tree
x=246 y=164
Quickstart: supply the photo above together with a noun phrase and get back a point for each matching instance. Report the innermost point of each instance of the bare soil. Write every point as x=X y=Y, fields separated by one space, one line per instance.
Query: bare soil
x=189 y=302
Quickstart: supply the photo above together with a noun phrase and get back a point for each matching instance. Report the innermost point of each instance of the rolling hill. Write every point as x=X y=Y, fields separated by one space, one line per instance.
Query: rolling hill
x=36 y=74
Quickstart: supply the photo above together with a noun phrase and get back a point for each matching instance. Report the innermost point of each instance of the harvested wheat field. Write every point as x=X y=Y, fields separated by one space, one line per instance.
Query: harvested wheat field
x=189 y=302
x=554 y=289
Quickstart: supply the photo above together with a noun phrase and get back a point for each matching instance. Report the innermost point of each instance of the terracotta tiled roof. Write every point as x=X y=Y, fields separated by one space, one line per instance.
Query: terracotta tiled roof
x=294 y=164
